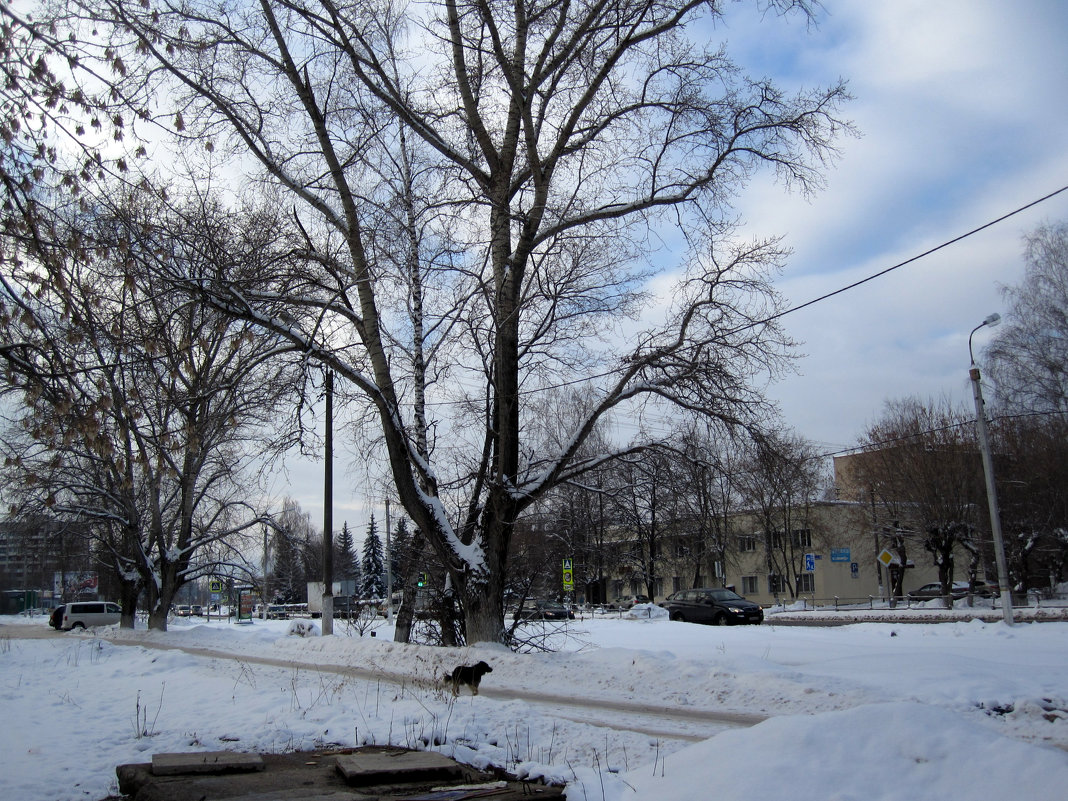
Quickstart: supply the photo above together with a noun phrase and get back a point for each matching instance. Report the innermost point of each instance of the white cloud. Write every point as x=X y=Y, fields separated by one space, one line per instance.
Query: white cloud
x=958 y=107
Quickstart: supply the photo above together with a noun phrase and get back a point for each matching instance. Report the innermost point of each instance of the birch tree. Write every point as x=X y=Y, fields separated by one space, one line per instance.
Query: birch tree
x=1028 y=356
x=534 y=154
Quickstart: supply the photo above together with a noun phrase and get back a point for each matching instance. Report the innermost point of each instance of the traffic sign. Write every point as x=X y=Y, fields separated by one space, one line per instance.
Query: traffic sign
x=569 y=580
x=810 y=562
x=888 y=558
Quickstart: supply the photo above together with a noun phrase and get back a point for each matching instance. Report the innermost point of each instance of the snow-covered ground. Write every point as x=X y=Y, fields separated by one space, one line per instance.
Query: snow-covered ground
x=625 y=710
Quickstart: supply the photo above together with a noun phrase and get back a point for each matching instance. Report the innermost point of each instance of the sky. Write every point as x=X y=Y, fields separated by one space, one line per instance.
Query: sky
x=959 y=106
x=864 y=712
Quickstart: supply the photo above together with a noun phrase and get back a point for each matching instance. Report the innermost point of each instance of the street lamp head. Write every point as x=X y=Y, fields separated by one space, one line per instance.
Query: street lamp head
x=991 y=321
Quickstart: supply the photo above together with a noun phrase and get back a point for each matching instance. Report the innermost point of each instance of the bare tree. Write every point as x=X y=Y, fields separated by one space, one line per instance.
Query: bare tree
x=781 y=475
x=920 y=465
x=1032 y=470
x=1028 y=358
x=555 y=139
x=643 y=501
x=141 y=407
x=709 y=498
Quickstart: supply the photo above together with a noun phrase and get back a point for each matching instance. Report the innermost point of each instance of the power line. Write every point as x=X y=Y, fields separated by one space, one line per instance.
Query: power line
x=821 y=298
x=904 y=263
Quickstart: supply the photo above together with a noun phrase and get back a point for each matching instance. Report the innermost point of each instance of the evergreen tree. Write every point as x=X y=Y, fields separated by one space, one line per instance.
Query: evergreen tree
x=346 y=563
x=400 y=550
x=374 y=583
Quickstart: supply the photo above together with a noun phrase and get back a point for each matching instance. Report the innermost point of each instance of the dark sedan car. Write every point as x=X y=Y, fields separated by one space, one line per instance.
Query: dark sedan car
x=957 y=590
x=718 y=606
x=545 y=610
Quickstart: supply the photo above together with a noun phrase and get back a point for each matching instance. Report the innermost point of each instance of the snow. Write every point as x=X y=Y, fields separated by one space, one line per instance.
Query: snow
x=622 y=712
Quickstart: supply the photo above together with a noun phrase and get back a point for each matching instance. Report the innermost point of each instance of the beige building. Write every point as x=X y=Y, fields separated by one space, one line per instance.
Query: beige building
x=820 y=551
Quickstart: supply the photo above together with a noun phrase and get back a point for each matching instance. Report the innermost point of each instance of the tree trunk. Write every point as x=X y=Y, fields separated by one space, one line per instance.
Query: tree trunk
x=484 y=611
x=129 y=592
x=410 y=588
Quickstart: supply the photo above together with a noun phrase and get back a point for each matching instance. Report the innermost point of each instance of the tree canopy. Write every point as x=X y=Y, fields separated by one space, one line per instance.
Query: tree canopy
x=478 y=193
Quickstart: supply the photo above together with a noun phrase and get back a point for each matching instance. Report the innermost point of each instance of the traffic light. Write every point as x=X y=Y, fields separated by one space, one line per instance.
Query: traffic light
x=423 y=579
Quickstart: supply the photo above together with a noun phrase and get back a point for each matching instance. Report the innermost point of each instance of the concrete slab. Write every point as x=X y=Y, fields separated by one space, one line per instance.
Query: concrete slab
x=363 y=769
x=315 y=776
x=205 y=762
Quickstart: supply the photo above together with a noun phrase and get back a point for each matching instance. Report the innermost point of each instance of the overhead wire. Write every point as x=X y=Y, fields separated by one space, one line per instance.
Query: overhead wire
x=821 y=298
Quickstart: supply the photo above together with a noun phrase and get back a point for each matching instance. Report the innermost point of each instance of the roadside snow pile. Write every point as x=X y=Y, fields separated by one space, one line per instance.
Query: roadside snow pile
x=893 y=750
x=645 y=612
x=303 y=628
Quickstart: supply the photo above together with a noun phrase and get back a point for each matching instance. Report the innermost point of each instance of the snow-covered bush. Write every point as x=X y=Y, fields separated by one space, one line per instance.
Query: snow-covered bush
x=303 y=628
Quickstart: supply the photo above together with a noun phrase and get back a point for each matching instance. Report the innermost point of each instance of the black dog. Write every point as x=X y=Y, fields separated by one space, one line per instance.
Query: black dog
x=470 y=675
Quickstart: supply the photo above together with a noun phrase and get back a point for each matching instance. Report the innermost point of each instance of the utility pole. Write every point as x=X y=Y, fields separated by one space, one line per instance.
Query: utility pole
x=389 y=572
x=263 y=595
x=328 y=511
x=988 y=473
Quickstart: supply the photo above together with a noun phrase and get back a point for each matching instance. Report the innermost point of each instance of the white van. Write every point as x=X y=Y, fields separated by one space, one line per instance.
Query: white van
x=83 y=614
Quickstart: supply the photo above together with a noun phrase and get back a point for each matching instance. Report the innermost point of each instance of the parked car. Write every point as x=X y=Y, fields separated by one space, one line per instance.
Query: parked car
x=958 y=590
x=83 y=614
x=718 y=606
x=277 y=612
x=545 y=610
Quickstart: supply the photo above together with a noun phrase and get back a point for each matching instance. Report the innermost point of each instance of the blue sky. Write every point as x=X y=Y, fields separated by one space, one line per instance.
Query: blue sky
x=962 y=110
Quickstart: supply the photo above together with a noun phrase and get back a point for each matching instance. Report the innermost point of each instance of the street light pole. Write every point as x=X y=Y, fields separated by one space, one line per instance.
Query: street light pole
x=389 y=572
x=988 y=472
x=328 y=510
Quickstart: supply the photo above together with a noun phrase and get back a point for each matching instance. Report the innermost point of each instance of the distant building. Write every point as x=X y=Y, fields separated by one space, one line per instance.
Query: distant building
x=822 y=551
x=48 y=558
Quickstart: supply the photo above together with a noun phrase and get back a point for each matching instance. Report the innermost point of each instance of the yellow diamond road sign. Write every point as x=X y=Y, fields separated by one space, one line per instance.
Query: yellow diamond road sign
x=887 y=558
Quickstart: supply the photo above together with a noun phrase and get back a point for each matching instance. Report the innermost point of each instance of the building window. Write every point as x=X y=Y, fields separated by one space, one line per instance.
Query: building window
x=676 y=583
x=806 y=582
x=750 y=585
x=747 y=543
x=775 y=583
x=801 y=538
